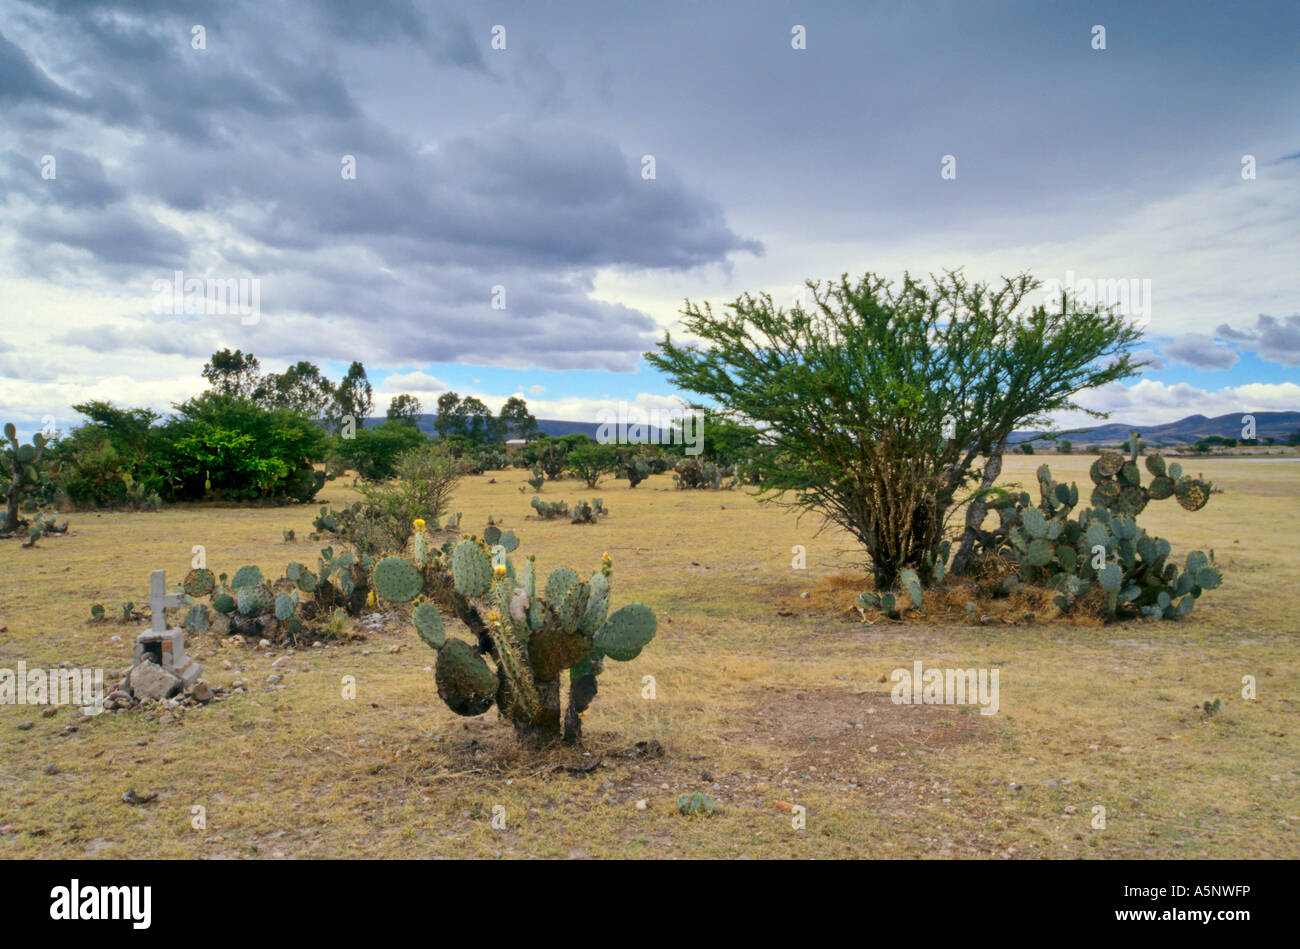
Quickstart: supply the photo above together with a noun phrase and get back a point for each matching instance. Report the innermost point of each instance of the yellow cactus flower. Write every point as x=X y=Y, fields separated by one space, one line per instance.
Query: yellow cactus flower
x=499 y=570
x=370 y=598
x=606 y=558
x=419 y=523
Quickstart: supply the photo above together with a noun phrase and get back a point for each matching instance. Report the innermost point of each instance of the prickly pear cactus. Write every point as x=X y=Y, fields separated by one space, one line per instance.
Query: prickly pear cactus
x=531 y=637
x=1103 y=544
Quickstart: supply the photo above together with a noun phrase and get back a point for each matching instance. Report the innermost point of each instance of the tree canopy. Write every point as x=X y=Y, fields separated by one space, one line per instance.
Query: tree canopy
x=878 y=400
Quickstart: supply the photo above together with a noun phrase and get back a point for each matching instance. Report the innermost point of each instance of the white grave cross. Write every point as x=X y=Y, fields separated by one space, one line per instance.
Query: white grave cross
x=160 y=600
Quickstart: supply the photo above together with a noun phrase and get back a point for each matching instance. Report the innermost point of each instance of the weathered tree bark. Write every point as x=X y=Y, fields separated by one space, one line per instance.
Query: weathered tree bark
x=544 y=730
x=581 y=691
x=978 y=509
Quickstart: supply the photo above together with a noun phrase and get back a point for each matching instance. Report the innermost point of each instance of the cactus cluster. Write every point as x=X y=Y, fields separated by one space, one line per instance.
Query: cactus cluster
x=549 y=509
x=22 y=463
x=636 y=470
x=1102 y=547
x=531 y=636
x=582 y=512
x=1103 y=544
x=1119 y=489
x=537 y=480
x=694 y=473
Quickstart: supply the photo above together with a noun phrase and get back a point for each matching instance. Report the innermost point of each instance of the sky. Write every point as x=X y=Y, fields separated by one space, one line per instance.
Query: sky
x=515 y=198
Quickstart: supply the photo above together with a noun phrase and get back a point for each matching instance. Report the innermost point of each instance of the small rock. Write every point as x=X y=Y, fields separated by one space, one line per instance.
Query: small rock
x=200 y=691
x=1050 y=783
x=804 y=595
x=130 y=797
x=227 y=664
x=265 y=643
x=281 y=662
x=51 y=769
x=25 y=726
x=151 y=681
x=641 y=805
x=1071 y=809
x=273 y=679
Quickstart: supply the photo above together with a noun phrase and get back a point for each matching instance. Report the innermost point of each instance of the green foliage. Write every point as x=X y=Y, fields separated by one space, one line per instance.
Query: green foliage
x=373 y=452
x=384 y=521
x=231 y=448
x=876 y=402
x=467 y=418
x=591 y=462
x=405 y=409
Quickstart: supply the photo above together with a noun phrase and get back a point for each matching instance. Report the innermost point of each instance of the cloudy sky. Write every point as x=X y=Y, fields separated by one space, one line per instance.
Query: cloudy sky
x=137 y=140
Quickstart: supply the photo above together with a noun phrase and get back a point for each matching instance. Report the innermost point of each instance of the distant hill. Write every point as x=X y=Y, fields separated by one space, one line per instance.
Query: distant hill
x=1186 y=431
x=548 y=426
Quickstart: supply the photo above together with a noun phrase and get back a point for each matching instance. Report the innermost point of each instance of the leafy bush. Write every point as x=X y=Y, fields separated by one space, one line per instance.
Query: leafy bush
x=877 y=402
x=590 y=462
x=229 y=447
x=426 y=477
x=373 y=452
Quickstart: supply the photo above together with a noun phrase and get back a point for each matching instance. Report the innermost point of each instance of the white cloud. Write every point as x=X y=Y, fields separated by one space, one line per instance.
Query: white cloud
x=1149 y=402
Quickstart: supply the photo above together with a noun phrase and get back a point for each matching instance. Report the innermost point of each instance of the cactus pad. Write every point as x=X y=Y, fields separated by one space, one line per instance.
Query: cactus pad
x=911 y=584
x=558 y=582
x=428 y=623
x=1040 y=552
x=471 y=569
x=1192 y=493
x=224 y=603
x=245 y=577
x=397 y=580
x=1161 y=487
x=199 y=582
x=1110 y=463
x=196 y=620
x=464 y=680
x=254 y=600
x=626 y=632
x=285 y=606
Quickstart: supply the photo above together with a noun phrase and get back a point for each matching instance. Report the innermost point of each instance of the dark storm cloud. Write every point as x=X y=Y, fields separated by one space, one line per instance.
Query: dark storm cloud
x=1270 y=338
x=398 y=264
x=1200 y=351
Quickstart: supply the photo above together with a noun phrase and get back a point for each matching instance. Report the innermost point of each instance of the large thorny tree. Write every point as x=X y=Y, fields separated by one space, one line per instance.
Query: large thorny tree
x=878 y=400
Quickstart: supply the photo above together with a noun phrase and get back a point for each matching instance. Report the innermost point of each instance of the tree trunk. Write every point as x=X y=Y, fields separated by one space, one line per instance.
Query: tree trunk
x=544 y=730
x=978 y=509
x=11 y=509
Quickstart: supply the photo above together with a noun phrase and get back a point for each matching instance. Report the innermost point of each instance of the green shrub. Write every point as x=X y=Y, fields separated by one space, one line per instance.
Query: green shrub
x=373 y=452
x=229 y=447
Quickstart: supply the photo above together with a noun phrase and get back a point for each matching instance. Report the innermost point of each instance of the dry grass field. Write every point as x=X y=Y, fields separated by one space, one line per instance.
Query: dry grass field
x=763 y=698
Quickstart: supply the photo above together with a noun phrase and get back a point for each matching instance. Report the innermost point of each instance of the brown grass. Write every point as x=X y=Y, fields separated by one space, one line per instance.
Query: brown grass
x=748 y=703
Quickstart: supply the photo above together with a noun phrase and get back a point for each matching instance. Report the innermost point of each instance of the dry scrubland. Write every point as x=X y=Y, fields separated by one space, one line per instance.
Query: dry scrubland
x=762 y=710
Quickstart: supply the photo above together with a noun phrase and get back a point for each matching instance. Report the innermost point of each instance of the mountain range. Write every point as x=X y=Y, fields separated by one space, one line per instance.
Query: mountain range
x=1185 y=431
